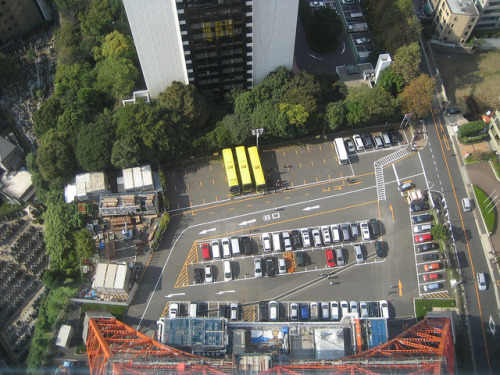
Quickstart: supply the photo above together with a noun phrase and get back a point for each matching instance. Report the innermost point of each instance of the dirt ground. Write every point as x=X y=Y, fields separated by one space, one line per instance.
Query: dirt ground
x=465 y=74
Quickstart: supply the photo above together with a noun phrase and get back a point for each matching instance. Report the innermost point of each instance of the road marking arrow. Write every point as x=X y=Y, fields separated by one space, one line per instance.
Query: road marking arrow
x=310 y=208
x=392 y=212
x=175 y=294
x=225 y=291
x=248 y=222
x=205 y=231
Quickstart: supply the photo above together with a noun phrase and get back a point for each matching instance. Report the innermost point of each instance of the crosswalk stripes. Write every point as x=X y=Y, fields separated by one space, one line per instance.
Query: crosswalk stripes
x=443 y=294
x=378 y=166
x=165 y=310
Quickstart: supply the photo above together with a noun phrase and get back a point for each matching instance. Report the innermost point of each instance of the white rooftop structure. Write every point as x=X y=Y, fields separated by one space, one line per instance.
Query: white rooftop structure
x=64 y=336
x=112 y=278
x=84 y=186
x=138 y=178
x=17 y=186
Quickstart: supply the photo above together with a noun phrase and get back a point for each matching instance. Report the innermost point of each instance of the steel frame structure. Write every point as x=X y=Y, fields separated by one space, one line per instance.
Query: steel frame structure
x=425 y=348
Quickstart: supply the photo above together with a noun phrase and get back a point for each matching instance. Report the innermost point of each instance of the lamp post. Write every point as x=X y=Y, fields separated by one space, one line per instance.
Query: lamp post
x=257 y=132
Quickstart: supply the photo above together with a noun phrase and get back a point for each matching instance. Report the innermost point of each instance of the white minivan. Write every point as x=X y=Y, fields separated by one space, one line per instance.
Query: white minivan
x=466 y=204
x=276 y=242
x=358 y=142
x=273 y=310
x=226 y=248
x=215 y=250
x=235 y=245
x=228 y=274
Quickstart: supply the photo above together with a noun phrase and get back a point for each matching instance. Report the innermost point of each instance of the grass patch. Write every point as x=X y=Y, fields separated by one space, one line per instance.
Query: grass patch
x=117 y=311
x=482 y=201
x=423 y=306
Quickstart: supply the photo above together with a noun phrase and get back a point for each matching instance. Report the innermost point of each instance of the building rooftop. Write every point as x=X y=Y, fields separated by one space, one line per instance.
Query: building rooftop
x=85 y=185
x=465 y=7
x=16 y=184
x=5 y=148
x=352 y=75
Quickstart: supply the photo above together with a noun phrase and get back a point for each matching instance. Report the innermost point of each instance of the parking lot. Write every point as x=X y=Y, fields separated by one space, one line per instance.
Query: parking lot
x=332 y=194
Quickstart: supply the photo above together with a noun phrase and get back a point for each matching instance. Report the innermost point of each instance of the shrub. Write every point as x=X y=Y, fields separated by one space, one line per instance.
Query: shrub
x=471 y=129
x=484 y=203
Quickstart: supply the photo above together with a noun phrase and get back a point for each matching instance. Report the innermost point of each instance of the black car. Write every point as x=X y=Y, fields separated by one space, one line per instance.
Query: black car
x=427 y=247
x=378 y=249
x=417 y=219
x=199 y=275
x=367 y=140
x=393 y=136
x=373 y=223
x=270 y=270
x=419 y=207
x=296 y=239
x=246 y=245
x=430 y=257
x=452 y=111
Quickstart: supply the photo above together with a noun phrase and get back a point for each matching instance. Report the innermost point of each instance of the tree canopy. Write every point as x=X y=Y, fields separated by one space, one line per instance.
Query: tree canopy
x=406 y=62
x=417 y=96
x=84 y=245
x=94 y=145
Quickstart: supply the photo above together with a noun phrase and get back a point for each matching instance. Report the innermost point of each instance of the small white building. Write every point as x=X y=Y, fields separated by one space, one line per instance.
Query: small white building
x=64 y=336
x=112 y=279
x=85 y=187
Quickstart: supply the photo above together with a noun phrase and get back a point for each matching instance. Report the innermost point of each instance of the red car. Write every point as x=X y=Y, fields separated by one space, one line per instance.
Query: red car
x=431 y=276
x=330 y=258
x=432 y=267
x=205 y=248
x=423 y=238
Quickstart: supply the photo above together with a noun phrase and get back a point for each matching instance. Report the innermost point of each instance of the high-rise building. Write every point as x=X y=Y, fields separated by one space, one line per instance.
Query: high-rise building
x=216 y=45
x=489 y=11
x=454 y=20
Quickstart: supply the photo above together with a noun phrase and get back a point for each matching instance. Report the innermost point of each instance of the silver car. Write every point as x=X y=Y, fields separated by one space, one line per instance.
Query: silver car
x=316 y=237
x=306 y=240
x=325 y=231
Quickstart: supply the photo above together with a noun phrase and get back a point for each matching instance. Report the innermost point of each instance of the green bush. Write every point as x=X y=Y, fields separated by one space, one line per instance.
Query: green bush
x=489 y=215
x=423 y=306
x=474 y=139
x=471 y=129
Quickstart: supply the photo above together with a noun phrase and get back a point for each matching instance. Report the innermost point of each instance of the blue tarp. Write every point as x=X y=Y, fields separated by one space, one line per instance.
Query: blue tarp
x=378 y=333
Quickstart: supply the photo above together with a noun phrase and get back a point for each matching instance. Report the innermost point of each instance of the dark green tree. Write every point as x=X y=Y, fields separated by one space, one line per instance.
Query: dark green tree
x=406 y=62
x=369 y=105
x=55 y=158
x=116 y=77
x=74 y=118
x=273 y=86
x=84 y=245
x=45 y=118
x=440 y=232
x=302 y=89
x=9 y=70
x=336 y=113
x=186 y=101
x=94 y=145
x=126 y=152
x=390 y=81
x=239 y=127
x=97 y=19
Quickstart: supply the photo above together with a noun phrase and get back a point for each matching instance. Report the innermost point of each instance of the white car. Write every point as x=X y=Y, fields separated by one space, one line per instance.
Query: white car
x=384 y=309
x=294 y=311
x=344 y=307
x=257 y=267
x=363 y=306
x=365 y=231
x=215 y=249
x=353 y=306
x=316 y=237
x=325 y=231
x=325 y=310
x=358 y=142
x=173 y=309
x=266 y=242
x=273 y=310
x=420 y=228
x=306 y=239
x=334 y=310
x=281 y=265
x=481 y=281
x=287 y=244
x=209 y=277
x=361 y=40
x=335 y=233
x=360 y=258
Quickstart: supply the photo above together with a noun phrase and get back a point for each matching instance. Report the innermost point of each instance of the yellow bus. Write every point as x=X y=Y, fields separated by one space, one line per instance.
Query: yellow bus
x=258 y=174
x=232 y=176
x=245 y=176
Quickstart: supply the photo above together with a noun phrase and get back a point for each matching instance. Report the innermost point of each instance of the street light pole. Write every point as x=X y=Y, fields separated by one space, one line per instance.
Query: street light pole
x=257 y=132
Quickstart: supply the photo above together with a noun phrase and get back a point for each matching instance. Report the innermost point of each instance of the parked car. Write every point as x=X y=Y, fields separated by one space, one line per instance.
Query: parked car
x=306 y=239
x=422 y=218
x=299 y=258
x=363 y=306
x=270 y=271
x=281 y=266
x=296 y=239
x=360 y=258
x=423 y=238
x=432 y=267
x=325 y=231
x=431 y=277
x=353 y=307
x=367 y=139
x=378 y=249
x=420 y=228
x=215 y=249
x=334 y=310
x=466 y=204
x=246 y=245
x=344 y=228
x=481 y=281
x=173 y=310
x=330 y=258
x=393 y=135
x=361 y=40
x=335 y=233
x=257 y=267
x=365 y=231
x=294 y=311
x=374 y=226
x=354 y=229
x=349 y=144
x=199 y=275
x=452 y=111
x=405 y=186
x=419 y=207
x=358 y=142
x=430 y=257
x=325 y=310
x=266 y=242
x=432 y=286
x=427 y=247
x=287 y=244
x=273 y=310
x=209 y=278
x=344 y=306
x=205 y=249
x=384 y=309
x=316 y=237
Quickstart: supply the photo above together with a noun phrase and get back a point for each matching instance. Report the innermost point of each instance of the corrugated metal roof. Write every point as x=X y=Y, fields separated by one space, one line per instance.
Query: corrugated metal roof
x=147 y=176
x=110 y=276
x=100 y=275
x=121 y=277
x=137 y=177
x=128 y=179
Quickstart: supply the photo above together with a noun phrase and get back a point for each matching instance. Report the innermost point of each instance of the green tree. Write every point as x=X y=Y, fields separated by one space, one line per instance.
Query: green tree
x=390 y=81
x=45 y=118
x=369 y=105
x=440 y=232
x=97 y=19
x=9 y=70
x=302 y=89
x=273 y=86
x=75 y=117
x=71 y=76
x=265 y=115
x=296 y=114
x=406 y=62
x=239 y=127
x=84 y=245
x=417 y=96
x=186 y=101
x=336 y=113
x=116 y=76
x=62 y=220
x=94 y=145
x=116 y=44
x=126 y=152
x=55 y=158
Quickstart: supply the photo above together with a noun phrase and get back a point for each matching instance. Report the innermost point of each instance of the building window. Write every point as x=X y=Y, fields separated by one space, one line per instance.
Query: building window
x=469 y=26
x=472 y=19
x=452 y=25
x=449 y=32
x=466 y=33
x=456 y=19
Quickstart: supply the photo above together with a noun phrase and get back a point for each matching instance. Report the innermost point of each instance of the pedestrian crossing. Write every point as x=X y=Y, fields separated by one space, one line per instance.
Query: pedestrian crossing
x=378 y=166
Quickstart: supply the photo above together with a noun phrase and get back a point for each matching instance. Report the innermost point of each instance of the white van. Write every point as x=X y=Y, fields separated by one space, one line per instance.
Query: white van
x=273 y=310
x=276 y=242
x=466 y=204
x=335 y=233
x=173 y=310
x=226 y=248
x=378 y=142
x=233 y=312
x=193 y=309
x=340 y=257
x=228 y=274
x=235 y=246
x=215 y=250
x=334 y=310
x=358 y=142
x=356 y=15
x=385 y=139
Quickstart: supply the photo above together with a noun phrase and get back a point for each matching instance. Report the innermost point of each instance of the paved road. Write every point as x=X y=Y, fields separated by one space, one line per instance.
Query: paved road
x=444 y=175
